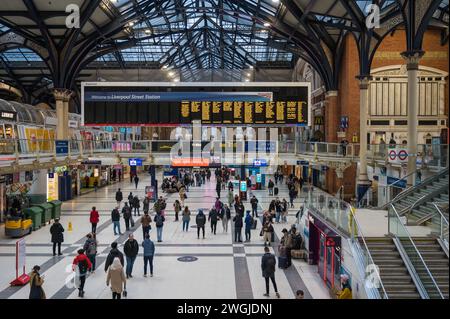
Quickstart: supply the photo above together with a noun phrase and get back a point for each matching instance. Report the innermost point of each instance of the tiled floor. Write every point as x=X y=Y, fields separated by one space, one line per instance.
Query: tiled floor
x=223 y=270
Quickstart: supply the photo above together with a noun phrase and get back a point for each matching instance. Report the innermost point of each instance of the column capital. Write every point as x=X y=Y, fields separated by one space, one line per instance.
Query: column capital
x=331 y=94
x=364 y=81
x=62 y=94
x=412 y=59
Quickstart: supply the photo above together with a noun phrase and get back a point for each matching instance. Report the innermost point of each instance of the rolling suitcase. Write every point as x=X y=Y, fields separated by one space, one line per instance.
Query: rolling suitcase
x=255 y=222
x=275 y=191
x=272 y=239
x=282 y=262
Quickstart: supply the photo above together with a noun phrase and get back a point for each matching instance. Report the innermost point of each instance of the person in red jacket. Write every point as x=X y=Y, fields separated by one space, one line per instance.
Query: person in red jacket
x=94 y=219
x=84 y=264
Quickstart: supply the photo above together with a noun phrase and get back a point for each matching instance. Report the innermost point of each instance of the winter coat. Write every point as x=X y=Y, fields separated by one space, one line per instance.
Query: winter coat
x=159 y=220
x=95 y=217
x=268 y=263
x=186 y=216
x=248 y=221
x=238 y=222
x=119 y=196
x=115 y=215
x=57 y=231
x=131 y=248
x=136 y=202
x=126 y=212
x=146 y=220
x=149 y=247
x=113 y=254
x=213 y=216
x=254 y=202
x=90 y=246
x=36 y=291
x=200 y=220
x=117 y=279
x=81 y=258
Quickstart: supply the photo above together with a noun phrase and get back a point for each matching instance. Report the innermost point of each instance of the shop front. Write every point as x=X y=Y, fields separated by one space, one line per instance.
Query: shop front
x=324 y=250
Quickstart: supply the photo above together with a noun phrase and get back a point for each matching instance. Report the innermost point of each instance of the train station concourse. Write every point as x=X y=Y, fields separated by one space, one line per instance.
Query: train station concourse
x=224 y=150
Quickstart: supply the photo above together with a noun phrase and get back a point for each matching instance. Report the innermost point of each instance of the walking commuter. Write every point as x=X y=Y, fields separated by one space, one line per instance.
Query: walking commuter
x=208 y=175
x=183 y=195
x=159 y=221
x=238 y=223
x=146 y=221
x=136 y=181
x=200 y=220
x=95 y=185
x=119 y=197
x=136 y=205
x=117 y=278
x=254 y=202
x=146 y=204
x=213 y=218
x=130 y=199
x=286 y=244
x=270 y=186
x=57 y=231
x=225 y=216
x=94 y=218
x=177 y=208
x=126 y=214
x=230 y=198
x=83 y=264
x=186 y=218
x=218 y=186
x=149 y=252
x=131 y=249
x=278 y=210
x=115 y=218
x=292 y=194
x=36 y=282
x=113 y=253
x=268 y=263
x=284 y=210
x=267 y=233
x=90 y=248
x=248 y=226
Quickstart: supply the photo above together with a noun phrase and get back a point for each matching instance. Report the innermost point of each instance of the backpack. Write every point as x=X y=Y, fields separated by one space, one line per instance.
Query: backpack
x=83 y=266
x=158 y=220
x=271 y=262
x=92 y=248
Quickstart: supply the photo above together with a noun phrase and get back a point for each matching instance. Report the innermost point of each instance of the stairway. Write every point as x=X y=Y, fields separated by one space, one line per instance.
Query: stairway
x=394 y=275
x=437 y=261
x=425 y=212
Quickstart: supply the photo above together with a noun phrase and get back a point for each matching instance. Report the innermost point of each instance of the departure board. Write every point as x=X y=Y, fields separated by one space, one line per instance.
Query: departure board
x=127 y=104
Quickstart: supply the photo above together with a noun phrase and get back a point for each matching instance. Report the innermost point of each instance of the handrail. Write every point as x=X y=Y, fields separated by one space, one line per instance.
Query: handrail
x=413 y=187
x=369 y=255
x=415 y=248
x=443 y=221
x=414 y=205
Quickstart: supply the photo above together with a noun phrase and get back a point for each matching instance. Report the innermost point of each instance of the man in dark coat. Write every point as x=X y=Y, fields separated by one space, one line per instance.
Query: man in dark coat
x=113 y=253
x=268 y=263
x=200 y=220
x=213 y=217
x=119 y=197
x=136 y=181
x=238 y=223
x=126 y=214
x=115 y=218
x=131 y=249
x=57 y=231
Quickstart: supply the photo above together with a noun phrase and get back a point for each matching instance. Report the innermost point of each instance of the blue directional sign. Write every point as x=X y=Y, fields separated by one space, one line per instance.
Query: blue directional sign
x=259 y=162
x=62 y=147
x=135 y=162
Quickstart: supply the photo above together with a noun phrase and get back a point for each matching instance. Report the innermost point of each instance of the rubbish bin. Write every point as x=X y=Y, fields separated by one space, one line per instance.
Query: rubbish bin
x=35 y=214
x=46 y=213
x=56 y=208
x=37 y=199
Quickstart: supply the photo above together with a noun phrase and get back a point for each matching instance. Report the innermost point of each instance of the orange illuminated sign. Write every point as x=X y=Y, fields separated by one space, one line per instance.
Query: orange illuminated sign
x=183 y=162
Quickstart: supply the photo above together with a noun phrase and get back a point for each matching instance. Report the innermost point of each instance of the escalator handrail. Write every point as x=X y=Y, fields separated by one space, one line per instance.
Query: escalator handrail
x=416 y=250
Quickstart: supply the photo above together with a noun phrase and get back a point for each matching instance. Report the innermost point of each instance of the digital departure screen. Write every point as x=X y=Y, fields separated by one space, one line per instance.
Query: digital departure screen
x=164 y=104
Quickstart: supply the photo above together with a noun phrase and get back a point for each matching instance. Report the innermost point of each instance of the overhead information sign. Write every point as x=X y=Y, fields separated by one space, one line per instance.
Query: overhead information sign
x=126 y=104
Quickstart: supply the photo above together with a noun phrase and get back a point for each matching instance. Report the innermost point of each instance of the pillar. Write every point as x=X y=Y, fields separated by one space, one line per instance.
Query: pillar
x=62 y=98
x=363 y=180
x=331 y=116
x=412 y=65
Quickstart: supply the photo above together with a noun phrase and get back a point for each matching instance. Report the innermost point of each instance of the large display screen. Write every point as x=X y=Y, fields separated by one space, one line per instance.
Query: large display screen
x=166 y=104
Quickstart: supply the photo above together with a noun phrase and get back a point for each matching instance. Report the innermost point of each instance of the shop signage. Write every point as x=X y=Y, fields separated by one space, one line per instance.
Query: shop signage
x=73 y=124
x=21 y=276
x=243 y=186
x=258 y=178
x=190 y=162
x=259 y=162
x=62 y=147
x=91 y=162
x=397 y=155
x=399 y=183
x=303 y=163
x=150 y=192
x=8 y=116
x=344 y=122
x=318 y=120
x=135 y=162
x=52 y=187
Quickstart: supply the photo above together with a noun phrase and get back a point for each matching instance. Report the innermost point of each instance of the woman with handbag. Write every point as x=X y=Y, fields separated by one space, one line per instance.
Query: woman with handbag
x=116 y=277
x=36 y=281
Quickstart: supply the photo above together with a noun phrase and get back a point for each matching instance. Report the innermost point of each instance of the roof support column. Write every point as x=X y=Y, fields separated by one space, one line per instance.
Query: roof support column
x=412 y=64
x=331 y=116
x=62 y=97
x=363 y=180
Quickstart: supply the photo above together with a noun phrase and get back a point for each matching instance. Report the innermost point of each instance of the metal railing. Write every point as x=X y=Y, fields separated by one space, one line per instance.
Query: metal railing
x=443 y=225
x=341 y=215
x=398 y=230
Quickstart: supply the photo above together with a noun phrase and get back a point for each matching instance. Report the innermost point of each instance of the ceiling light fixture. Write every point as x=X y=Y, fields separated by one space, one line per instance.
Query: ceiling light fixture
x=267 y=24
